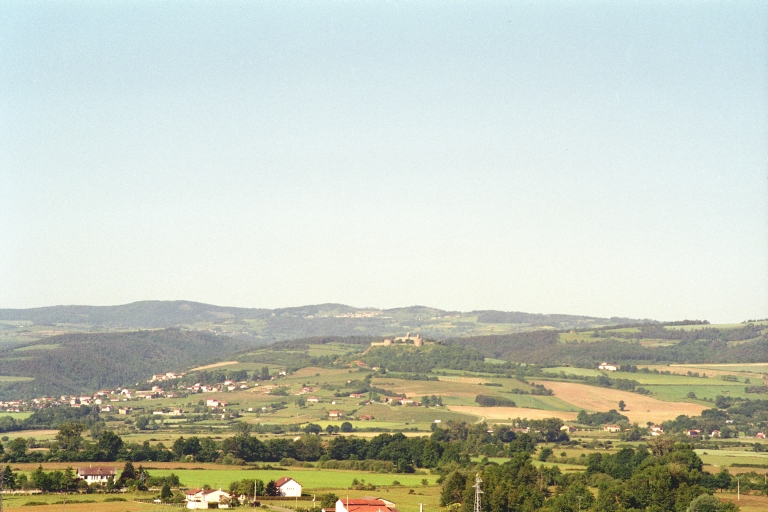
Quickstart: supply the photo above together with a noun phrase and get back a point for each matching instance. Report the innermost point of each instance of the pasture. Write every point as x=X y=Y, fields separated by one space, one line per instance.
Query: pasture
x=722 y=458
x=311 y=479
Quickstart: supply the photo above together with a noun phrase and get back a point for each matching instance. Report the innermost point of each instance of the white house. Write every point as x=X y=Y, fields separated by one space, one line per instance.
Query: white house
x=96 y=474
x=606 y=366
x=288 y=487
x=200 y=498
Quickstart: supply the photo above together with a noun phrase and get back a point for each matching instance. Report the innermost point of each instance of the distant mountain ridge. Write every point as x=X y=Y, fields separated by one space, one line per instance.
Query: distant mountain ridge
x=153 y=314
x=69 y=349
x=149 y=314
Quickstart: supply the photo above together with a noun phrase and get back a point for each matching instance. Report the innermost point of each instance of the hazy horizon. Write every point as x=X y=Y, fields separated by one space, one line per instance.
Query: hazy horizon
x=598 y=159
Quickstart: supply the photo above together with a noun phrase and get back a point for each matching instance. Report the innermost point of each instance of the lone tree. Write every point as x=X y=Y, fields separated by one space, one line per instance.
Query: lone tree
x=271 y=489
x=622 y=405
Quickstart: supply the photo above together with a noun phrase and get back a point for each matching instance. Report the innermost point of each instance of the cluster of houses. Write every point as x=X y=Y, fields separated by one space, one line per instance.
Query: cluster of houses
x=12 y=405
x=196 y=498
x=161 y=377
x=227 y=385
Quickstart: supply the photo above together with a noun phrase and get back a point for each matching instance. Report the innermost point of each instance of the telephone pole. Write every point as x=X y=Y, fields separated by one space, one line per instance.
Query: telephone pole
x=478 y=492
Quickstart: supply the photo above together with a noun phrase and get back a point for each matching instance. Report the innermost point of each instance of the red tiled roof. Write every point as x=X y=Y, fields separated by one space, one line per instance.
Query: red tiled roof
x=282 y=481
x=96 y=471
x=368 y=508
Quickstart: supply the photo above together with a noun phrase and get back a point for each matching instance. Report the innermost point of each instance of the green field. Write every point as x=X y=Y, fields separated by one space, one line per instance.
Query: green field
x=411 y=415
x=16 y=415
x=675 y=393
x=668 y=387
x=648 y=378
x=728 y=457
x=310 y=479
x=13 y=378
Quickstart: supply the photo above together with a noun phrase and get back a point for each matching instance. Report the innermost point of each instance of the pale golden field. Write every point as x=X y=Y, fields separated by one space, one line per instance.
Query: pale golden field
x=507 y=413
x=214 y=365
x=462 y=380
x=640 y=408
x=748 y=503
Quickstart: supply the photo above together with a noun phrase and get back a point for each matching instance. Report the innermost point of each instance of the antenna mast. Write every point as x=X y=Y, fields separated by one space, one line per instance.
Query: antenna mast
x=478 y=492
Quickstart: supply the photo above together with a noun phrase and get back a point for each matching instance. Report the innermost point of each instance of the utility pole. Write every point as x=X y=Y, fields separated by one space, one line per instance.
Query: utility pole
x=580 y=498
x=478 y=492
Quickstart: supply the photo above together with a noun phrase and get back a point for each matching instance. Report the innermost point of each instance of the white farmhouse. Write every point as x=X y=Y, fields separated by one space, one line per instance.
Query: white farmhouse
x=288 y=487
x=96 y=474
x=200 y=498
x=608 y=367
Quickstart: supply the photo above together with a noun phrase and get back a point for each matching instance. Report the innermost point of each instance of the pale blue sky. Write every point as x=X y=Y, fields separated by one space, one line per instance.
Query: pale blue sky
x=604 y=158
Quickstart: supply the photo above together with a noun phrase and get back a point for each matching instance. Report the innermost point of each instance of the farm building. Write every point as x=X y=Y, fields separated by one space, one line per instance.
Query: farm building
x=199 y=498
x=365 y=505
x=288 y=487
x=334 y=414
x=96 y=474
x=606 y=366
x=612 y=428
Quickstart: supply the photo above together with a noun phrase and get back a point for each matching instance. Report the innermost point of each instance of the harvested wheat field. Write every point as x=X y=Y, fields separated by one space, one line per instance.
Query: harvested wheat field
x=507 y=413
x=640 y=408
x=748 y=502
x=462 y=380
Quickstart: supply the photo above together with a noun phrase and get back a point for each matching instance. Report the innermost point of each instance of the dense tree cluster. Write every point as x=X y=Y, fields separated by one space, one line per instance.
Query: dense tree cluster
x=543 y=348
x=425 y=359
x=600 y=418
x=667 y=478
x=494 y=401
x=451 y=443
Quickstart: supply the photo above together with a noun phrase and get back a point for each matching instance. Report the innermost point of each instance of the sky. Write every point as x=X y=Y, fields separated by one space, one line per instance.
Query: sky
x=593 y=158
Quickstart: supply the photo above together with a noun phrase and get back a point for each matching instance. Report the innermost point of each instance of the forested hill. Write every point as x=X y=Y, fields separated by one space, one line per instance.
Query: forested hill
x=644 y=344
x=263 y=326
x=87 y=362
x=149 y=314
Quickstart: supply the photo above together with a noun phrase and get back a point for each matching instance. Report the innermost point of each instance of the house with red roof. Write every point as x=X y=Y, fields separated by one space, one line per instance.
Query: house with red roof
x=366 y=504
x=288 y=487
x=200 y=498
x=96 y=474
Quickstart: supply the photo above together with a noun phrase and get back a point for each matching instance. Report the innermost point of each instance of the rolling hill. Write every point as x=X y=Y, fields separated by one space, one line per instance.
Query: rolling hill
x=261 y=326
x=77 y=363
